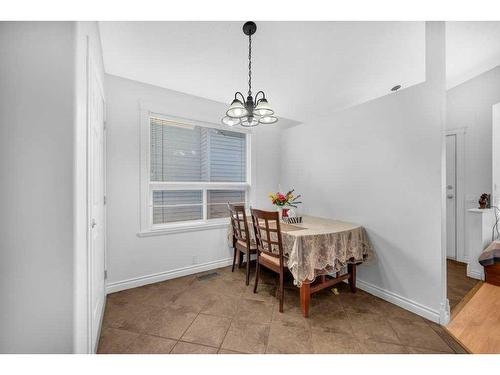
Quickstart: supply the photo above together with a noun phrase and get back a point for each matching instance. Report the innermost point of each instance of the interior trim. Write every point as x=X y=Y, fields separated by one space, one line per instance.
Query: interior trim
x=167 y=275
x=400 y=301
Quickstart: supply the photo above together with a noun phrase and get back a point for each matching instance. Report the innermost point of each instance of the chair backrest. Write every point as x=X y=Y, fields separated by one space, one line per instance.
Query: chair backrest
x=239 y=223
x=266 y=225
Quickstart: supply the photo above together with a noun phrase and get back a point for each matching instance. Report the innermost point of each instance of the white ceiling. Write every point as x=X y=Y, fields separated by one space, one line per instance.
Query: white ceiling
x=302 y=66
x=472 y=48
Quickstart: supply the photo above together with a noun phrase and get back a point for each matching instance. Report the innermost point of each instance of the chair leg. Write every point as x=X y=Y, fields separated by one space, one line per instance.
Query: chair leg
x=234 y=260
x=240 y=259
x=248 y=268
x=257 y=271
x=282 y=291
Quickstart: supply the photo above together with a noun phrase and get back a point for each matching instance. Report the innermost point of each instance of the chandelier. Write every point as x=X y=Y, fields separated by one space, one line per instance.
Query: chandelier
x=252 y=111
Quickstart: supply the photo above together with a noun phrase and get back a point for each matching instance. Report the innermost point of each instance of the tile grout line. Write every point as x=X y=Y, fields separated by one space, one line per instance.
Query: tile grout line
x=349 y=318
x=243 y=295
x=180 y=339
x=196 y=343
x=182 y=335
x=230 y=322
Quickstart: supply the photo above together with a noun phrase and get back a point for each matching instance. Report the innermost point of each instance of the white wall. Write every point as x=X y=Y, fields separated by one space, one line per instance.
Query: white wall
x=470 y=105
x=379 y=164
x=43 y=158
x=37 y=109
x=134 y=260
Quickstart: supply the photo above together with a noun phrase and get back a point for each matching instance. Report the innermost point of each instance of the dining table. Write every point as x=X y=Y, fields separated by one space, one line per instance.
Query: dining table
x=320 y=253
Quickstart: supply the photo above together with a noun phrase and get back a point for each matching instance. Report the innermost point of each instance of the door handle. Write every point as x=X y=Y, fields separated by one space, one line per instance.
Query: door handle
x=93 y=223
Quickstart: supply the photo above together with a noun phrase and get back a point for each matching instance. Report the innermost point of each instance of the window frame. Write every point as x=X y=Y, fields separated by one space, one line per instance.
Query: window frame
x=147 y=228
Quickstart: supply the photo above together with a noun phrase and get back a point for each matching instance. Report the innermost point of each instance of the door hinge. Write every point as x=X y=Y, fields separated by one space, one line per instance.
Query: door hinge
x=105 y=274
x=104 y=200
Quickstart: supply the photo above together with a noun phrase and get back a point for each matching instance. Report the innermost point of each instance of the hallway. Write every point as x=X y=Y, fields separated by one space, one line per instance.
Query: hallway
x=458 y=282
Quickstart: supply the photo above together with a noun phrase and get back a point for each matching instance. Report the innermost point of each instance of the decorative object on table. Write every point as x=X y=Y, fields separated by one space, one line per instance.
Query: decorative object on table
x=252 y=111
x=292 y=219
x=484 y=201
x=284 y=201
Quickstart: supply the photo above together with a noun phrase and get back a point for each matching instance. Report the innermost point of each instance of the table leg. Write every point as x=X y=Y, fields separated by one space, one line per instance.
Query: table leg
x=351 y=268
x=305 y=298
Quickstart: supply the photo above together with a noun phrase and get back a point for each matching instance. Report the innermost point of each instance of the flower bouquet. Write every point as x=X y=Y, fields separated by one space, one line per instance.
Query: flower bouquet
x=282 y=201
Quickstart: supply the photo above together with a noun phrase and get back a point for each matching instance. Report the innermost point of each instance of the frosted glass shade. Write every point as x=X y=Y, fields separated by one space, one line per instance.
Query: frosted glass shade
x=268 y=120
x=230 y=121
x=249 y=121
x=263 y=108
x=237 y=109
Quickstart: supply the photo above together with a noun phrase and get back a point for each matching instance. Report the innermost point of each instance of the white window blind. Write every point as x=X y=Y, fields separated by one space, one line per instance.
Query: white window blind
x=194 y=153
x=177 y=205
x=218 y=199
x=194 y=171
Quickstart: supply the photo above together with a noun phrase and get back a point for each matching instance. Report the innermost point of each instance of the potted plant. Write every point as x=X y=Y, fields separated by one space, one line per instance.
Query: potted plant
x=284 y=201
x=484 y=200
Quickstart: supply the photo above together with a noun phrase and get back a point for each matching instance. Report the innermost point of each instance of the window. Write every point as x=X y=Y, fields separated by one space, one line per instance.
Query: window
x=191 y=171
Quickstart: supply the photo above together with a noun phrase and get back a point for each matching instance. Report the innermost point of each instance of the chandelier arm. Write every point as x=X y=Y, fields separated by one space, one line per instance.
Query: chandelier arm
x=242 y=97
x=256 y=95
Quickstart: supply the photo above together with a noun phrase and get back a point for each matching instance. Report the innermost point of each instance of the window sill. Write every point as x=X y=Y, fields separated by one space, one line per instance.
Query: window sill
x=185 y=227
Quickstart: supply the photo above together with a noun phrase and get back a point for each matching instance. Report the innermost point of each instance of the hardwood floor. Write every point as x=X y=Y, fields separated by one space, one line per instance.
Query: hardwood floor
x=215 y=312
x=477 y=324
x=458 y=282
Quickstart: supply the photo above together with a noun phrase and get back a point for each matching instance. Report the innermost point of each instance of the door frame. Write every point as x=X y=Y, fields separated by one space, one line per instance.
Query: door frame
x=92 y=346
x=495 y=154
x=459 y=134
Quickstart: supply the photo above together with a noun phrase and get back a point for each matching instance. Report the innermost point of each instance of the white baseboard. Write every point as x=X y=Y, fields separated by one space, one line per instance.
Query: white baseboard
x=95 y=344
x=384 y=294
x=475 y=274
x=444 y=312
x=167 y=275
x=400 y=301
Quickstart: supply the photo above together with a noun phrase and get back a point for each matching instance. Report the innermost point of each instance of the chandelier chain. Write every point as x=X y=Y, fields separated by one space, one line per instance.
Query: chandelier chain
x=250 y=111
x=250 y=65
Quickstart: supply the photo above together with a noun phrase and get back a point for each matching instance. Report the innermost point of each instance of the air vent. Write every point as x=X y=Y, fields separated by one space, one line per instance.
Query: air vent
x=207 y=276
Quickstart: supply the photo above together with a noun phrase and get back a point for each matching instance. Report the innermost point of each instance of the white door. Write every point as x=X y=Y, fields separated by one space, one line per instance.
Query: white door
x=495 y=199
x=451 y=200
x=96 y=203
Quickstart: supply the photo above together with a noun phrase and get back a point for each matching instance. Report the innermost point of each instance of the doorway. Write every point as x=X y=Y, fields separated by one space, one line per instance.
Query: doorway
x=456 y=262
x=451 y=196
x=455 y=194
x=495 y=149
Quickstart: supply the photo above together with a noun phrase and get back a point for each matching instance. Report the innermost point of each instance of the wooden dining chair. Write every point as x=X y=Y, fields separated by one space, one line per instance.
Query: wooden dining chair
x=242 y=242
x=267 y=230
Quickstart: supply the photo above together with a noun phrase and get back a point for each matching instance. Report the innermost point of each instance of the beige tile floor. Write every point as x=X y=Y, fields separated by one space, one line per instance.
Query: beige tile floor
x=214 y=312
